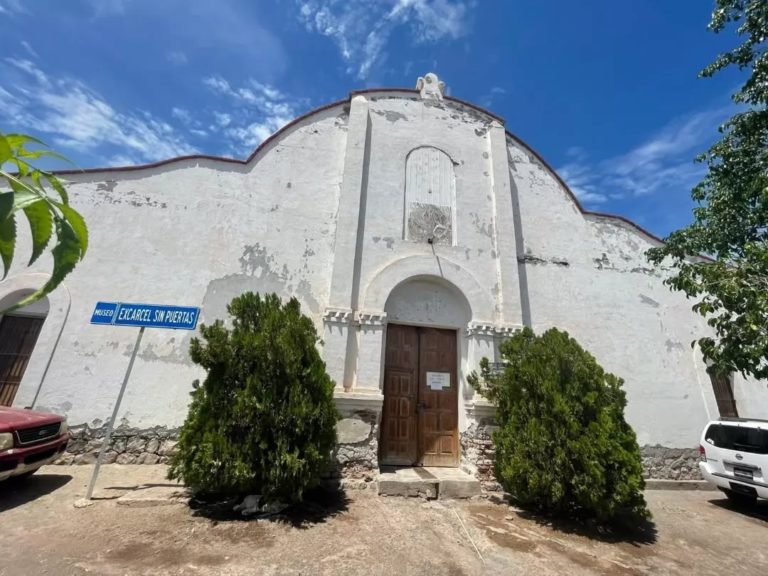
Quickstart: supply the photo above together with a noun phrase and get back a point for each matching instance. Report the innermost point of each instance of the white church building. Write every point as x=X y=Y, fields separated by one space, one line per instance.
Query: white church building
x=417 y=232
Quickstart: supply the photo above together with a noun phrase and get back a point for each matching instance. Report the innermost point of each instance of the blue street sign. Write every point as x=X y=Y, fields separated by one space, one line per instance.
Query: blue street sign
x=147 y=315
x=104 y=313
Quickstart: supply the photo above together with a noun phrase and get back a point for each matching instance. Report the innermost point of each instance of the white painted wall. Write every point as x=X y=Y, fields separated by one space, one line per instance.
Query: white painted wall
x=195 y=232
x=319 y=214
x=589 y=276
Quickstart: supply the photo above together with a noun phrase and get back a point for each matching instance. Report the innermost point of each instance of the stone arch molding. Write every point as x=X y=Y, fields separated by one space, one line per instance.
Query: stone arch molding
x=392 y=275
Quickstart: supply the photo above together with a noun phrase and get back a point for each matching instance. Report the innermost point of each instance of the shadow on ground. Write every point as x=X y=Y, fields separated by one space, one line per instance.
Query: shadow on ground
x=319 y=505
x=117 y=492
x=642 y=533
x=19 y=491
x=758 y=510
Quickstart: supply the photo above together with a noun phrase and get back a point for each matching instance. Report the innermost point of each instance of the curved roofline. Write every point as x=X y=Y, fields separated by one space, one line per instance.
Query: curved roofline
x=274 y=137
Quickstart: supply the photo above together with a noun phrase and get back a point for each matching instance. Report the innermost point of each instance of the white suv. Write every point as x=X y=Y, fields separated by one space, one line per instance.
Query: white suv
x=734 y=457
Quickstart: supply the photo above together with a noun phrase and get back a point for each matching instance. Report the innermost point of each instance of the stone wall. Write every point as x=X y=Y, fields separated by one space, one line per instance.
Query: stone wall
x=356 y=457
x=127 y=445
x=662 y=463
x=477 y=453
x=659 y=462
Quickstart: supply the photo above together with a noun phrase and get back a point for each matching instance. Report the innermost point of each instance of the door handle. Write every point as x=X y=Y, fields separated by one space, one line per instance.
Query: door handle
x=420 y=406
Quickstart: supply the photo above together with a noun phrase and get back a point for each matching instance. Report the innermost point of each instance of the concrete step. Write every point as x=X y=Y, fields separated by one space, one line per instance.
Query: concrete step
x=427 y=482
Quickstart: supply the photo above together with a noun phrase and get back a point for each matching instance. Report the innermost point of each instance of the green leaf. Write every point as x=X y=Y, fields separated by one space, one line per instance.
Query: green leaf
x=58 y=187
x=41 y=225
x=15 y=183
x=6 y=153
x=77 y=223
x=7 y=242
x=24 y=197
x=17 y=140
x=43 y=153
x=6 y=204
x=66 y=255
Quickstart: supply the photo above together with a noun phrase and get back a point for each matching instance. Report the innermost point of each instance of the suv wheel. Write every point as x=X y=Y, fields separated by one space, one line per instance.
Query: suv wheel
x=739 y=498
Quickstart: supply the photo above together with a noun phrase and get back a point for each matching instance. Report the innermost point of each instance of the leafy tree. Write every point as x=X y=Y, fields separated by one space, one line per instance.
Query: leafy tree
x=563 y=446
x=264 y=420
x=47 y=215
x=731 y=217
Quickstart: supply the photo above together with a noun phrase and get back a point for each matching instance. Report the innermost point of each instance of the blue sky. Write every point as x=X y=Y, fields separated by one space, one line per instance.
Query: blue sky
x=606 y=91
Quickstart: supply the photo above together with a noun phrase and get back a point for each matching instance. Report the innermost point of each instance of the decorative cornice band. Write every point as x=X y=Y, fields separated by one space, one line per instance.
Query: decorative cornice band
x=337 y=316
x=372 y=318
x=483 y=329
x=480 y=329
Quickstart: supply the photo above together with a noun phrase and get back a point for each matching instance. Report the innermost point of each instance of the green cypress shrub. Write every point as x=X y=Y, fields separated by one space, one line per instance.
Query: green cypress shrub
x=563 y=446
x=264 y=419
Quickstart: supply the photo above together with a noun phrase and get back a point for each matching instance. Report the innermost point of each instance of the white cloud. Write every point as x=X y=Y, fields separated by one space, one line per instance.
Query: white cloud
x=488 y=100
x=257 y=111
x=222 y=119
x=108 y=7
x=217 y=84
x=661 y=163
x=181 y=114
x=176 y=57
x=579 y=180
x=10 y=7
x=28 y=47
x=362 y=28
x=79 y=119
x=30 y=68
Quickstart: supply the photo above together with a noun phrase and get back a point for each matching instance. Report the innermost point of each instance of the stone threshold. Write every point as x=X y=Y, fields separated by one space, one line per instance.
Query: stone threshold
x=427 y=482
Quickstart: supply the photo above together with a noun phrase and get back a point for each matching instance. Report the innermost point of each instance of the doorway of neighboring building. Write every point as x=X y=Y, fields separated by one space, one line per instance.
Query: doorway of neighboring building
x=18 y=335
x=420 y=415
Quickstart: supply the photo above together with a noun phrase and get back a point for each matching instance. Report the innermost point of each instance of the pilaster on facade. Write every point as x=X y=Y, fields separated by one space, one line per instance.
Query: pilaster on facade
x=343 y=282
x=352 y=401
x=337 y=324
x=480 y=408
x=504 y=226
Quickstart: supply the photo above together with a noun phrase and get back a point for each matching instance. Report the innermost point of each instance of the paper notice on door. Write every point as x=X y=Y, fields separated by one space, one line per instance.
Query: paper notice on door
x=438 y=380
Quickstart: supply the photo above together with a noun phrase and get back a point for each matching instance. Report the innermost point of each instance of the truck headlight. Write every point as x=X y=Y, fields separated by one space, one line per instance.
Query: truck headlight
x=6 y=441
x=64 y=428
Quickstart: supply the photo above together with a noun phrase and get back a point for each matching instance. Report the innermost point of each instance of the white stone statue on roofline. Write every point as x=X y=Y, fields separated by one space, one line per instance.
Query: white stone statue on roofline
x=430 y=86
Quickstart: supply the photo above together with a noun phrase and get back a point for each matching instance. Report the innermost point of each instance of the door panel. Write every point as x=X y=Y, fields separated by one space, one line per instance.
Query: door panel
x=18 y=335
x=419 y=421
x=439 y=437
x=399 y=437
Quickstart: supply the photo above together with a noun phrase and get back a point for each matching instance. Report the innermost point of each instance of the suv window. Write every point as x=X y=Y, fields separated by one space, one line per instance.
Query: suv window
x=738 y=438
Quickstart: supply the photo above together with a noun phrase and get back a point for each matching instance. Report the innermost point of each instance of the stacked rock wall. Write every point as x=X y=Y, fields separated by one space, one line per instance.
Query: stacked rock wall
x=126 y=446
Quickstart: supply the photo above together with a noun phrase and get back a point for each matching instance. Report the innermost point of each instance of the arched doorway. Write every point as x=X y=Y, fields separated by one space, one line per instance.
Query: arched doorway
x=421 y=373
x=19 y=331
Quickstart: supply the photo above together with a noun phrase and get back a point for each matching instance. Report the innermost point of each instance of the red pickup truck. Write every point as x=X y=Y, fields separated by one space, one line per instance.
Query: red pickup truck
x=29 y=440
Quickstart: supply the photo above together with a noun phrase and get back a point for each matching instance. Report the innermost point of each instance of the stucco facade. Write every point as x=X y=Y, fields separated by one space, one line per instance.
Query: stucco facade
x=399 y=206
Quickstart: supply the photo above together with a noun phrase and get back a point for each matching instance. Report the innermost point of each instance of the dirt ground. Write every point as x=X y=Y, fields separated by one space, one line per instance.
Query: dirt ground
x=42 y=532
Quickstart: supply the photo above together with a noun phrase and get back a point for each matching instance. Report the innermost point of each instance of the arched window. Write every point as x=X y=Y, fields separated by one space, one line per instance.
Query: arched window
x=18 y=335
x=430 y=197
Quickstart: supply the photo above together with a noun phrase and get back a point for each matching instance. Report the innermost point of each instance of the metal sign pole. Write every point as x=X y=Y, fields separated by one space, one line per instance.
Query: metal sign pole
x=111 y=424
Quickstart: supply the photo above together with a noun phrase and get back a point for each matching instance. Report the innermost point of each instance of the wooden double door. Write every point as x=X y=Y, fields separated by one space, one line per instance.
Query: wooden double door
x=420 y=414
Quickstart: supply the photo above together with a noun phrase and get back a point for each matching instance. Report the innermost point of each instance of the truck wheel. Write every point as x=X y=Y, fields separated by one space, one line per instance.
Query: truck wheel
x=740 y=499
